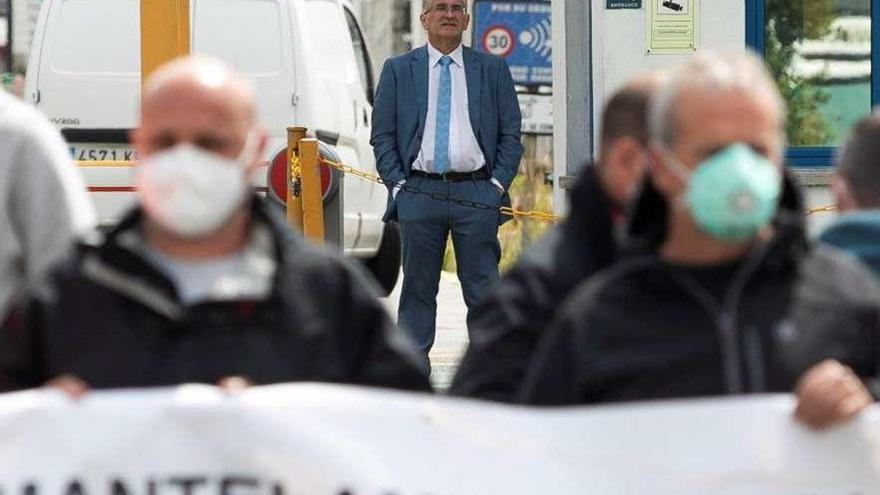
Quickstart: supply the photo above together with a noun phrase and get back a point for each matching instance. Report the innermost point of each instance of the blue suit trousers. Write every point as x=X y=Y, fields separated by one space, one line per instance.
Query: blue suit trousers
x=425 y=224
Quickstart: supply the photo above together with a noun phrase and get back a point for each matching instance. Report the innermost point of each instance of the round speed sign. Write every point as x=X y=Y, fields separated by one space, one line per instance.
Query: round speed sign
x=498 y=40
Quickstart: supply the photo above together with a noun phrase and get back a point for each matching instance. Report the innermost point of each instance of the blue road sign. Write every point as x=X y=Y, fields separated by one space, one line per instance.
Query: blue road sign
x=519 y=32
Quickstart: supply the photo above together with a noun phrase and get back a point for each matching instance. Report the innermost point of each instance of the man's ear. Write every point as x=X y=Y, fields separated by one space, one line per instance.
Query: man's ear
x=423 y=20
x=843 y=196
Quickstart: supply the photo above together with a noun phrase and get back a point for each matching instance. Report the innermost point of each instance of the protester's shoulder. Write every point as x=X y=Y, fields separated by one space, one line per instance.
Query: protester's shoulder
x=321 y=270
x=564 y=251
x=833 y=276
x=19 y=120
x=64 y=280
x=540 y=257
x=853 y=228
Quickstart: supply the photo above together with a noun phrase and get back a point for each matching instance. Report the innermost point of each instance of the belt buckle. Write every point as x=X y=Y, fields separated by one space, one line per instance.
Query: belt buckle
x=444 y=178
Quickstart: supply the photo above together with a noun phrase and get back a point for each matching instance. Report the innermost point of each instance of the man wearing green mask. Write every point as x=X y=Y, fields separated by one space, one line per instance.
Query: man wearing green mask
x=725 y=295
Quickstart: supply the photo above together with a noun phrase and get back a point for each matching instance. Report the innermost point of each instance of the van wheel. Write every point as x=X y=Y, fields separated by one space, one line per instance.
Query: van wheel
x=385 y=266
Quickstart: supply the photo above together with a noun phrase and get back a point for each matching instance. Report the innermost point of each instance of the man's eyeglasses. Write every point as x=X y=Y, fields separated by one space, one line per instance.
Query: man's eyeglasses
x=444 y=8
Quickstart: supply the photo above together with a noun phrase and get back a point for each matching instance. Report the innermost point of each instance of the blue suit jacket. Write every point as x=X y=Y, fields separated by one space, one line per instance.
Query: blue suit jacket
x=401 y=107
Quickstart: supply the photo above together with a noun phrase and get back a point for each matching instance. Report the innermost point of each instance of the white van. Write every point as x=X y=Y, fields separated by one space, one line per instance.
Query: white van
x=309 y=65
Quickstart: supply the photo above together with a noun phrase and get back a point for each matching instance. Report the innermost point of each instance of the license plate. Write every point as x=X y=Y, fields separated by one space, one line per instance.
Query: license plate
x=101 y=152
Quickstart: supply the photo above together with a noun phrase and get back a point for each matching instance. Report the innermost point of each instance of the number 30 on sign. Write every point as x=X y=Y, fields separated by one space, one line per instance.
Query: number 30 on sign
x=498 y=40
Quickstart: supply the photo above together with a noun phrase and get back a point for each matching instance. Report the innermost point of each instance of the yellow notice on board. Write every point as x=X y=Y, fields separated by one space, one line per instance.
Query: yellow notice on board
x=672 y=26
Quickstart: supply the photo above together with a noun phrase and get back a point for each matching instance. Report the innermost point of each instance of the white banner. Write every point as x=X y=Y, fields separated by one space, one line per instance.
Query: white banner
x=307 y=439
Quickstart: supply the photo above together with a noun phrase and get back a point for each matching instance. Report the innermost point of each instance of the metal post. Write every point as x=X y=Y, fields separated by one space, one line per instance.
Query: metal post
x=164 y=33
x=294 y=177
x=312 y=202
x=572 y=94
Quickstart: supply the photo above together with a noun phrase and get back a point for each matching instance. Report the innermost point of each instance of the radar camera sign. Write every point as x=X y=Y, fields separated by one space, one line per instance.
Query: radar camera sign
x=519 y=32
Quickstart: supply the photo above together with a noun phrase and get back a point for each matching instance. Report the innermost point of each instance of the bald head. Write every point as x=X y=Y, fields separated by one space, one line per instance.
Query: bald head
x=198 y=100
x=199 y=80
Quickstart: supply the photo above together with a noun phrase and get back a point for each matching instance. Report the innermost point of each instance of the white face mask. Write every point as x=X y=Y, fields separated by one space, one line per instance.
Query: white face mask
x=190 y=191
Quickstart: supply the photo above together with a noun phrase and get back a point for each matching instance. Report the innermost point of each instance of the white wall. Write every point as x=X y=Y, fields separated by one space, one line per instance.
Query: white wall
x=619 y=42
x=619 y=53
x=24 y=21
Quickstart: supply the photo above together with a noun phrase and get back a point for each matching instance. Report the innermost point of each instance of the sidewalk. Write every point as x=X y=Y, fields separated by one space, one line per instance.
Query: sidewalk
x=451 y=339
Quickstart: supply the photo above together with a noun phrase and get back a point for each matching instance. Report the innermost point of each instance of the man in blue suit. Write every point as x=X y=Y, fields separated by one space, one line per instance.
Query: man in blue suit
x=446 y=122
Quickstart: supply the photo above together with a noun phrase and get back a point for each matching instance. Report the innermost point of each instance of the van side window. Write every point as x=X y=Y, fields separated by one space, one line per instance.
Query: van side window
x=360 y=54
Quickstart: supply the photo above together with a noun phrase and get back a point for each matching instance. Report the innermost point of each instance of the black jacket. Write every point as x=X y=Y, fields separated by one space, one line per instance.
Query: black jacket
x=108 y=317
x=647 y=329
x=506 y=327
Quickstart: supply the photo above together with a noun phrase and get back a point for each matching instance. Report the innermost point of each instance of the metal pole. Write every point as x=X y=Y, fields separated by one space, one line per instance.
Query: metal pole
x=312 y=202
x=572 y=94
x=164 y=33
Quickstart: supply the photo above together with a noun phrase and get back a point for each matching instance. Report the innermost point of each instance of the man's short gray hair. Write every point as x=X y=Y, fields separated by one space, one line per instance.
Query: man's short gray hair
x=741 y=71
x=427 y=3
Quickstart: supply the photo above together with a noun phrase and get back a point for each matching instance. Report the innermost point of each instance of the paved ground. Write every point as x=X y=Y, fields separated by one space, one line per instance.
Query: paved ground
x=451 y=339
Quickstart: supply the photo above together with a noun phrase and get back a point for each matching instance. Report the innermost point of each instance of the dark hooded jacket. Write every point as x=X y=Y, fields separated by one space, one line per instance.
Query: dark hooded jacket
x=649 y=329
x=505 y=329
x=110 y=318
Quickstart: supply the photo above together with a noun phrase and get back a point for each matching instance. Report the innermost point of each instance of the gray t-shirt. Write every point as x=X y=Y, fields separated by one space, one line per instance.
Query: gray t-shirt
x=244 y=275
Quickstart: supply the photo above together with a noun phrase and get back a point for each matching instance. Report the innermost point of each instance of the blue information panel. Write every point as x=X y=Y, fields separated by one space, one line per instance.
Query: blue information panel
x=519 y=32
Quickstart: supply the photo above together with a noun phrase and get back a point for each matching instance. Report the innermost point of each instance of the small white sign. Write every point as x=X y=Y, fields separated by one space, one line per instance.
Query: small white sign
x=537 y=113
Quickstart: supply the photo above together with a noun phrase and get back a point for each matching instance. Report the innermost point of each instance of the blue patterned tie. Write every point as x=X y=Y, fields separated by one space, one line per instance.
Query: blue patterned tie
x=444 y=104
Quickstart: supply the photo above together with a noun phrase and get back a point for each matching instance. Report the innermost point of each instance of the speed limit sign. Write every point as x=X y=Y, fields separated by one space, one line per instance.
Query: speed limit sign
x=498 y=40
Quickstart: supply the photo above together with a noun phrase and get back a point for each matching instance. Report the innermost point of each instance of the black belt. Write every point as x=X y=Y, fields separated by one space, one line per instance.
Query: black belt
x=480 y=174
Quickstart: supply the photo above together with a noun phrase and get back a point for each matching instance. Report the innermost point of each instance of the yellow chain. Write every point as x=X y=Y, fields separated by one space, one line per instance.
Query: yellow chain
x=821 y=209
x=504 y=210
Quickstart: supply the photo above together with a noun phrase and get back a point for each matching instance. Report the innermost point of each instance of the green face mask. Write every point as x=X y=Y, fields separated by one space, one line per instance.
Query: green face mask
x=732 y=194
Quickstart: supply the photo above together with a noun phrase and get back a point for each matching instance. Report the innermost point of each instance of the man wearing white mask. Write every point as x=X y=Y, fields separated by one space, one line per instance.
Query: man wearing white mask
x=202 y=282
